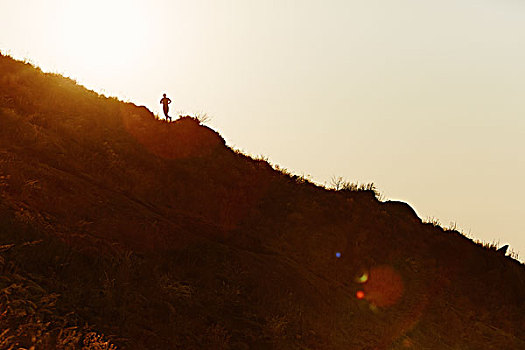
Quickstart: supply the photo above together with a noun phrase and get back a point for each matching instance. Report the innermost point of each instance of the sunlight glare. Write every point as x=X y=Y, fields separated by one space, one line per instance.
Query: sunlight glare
x=103 y=36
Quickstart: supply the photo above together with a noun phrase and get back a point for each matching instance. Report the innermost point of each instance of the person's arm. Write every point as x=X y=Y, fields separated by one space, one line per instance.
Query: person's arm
x=169 y=101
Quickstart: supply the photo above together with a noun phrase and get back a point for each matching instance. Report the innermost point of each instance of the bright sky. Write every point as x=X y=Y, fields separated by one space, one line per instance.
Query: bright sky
x=424 y=98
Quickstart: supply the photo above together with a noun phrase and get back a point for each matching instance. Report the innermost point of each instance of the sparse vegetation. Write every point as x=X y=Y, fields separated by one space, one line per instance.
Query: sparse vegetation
x=203 y=117
x=28 y=315
x=120 y=230
x=340 y=184
x=433 y=221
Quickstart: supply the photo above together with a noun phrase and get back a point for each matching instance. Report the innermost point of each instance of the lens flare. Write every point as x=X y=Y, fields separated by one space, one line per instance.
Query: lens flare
x=363 y=278
x=373 y=308
x=384 y=286
x=407 y=343
x=184 y=138
x=338 y=255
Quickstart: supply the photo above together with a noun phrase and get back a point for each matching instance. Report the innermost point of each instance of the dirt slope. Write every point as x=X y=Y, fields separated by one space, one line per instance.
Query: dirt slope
x=117 y=226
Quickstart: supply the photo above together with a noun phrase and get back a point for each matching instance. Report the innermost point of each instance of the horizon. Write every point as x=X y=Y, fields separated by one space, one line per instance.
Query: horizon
x=409 y=110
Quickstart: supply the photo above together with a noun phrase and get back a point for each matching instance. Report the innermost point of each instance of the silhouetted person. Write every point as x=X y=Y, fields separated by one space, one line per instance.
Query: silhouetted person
x=165 y=102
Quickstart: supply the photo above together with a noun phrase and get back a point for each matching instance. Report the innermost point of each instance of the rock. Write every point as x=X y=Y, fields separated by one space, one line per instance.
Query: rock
x=503 y=250
x=402 y=210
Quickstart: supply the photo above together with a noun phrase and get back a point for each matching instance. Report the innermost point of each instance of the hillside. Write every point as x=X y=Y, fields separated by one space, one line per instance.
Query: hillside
x=121 y=230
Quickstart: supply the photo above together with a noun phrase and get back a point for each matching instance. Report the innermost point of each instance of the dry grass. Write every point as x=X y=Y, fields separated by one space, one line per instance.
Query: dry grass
x=158 y=236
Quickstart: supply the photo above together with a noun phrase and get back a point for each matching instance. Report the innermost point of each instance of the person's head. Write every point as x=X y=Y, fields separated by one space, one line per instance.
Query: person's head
x=164 y=95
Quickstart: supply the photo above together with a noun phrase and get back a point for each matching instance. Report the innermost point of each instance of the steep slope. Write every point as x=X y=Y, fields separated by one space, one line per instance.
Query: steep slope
x=160 y=236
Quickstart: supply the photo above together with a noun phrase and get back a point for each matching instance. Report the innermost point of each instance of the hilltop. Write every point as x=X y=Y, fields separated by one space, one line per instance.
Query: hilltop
x=119 y=229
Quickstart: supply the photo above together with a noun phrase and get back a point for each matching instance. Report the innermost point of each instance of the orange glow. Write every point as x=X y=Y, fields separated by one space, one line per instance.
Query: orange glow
x=170 y=140
x=384 y=286
x=360 y=294
x=407 y=343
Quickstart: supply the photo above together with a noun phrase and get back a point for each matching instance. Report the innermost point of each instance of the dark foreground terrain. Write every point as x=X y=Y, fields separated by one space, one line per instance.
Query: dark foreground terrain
x=120 y=230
